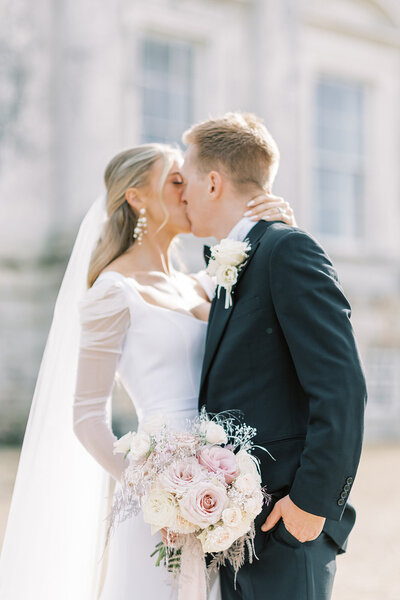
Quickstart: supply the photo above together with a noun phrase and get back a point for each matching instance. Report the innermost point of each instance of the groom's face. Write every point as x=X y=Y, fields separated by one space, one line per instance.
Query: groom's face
x=196 y=195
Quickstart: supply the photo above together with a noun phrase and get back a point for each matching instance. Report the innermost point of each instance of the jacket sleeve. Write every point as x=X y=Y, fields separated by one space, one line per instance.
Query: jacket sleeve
x=104 y=319
x=314 y=315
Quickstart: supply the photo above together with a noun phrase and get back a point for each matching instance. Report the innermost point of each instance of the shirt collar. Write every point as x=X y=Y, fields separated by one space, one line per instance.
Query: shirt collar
x=241 y=229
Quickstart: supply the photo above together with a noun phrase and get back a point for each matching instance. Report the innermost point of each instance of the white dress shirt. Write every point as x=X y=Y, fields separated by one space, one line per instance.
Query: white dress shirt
x=239 y=233
x=241 y=229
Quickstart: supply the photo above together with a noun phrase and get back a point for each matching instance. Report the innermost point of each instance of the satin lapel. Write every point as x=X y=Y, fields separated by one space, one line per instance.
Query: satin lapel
x=219 y=315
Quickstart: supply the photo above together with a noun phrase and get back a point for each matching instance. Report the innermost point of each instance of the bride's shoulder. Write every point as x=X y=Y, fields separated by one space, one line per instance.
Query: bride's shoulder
x=106 y=297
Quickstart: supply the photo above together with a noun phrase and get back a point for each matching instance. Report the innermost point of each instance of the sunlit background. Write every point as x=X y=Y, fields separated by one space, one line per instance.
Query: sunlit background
x=81 y=80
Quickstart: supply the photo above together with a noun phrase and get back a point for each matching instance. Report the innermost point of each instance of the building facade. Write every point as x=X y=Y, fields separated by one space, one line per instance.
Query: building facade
x=78 y=82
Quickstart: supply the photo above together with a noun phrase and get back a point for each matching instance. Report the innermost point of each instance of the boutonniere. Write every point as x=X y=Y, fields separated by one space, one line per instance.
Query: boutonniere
x=227 y=259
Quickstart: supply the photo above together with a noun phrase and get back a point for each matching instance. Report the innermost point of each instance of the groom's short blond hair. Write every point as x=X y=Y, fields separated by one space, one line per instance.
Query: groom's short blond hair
x=240 y=144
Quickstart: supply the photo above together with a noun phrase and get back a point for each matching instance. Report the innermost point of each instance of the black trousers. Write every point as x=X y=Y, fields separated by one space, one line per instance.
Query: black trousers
x=286 y=570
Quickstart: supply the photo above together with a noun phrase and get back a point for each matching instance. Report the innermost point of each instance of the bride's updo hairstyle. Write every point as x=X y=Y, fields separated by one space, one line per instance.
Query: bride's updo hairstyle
x=129 y=168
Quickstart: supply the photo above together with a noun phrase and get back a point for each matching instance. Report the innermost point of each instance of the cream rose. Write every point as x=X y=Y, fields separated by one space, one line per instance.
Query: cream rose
x=182 y=525
x=123 y=444
x=159 y=508
x=252 y=507
x=232 y=516
x=229 y=252
x=140 y=445
x=214 y=433
x=217 y=540
x=243 y=527
x=245 y=484
x=226 y=276
x=246 y=463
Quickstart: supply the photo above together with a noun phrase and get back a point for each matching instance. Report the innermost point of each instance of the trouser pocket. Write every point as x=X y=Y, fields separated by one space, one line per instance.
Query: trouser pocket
x=283 y=534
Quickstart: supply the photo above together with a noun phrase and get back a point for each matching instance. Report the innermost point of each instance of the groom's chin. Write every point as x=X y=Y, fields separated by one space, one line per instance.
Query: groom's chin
x=199 y=234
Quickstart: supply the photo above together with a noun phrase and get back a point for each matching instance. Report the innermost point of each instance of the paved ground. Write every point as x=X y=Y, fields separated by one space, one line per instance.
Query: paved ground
x=370 y=569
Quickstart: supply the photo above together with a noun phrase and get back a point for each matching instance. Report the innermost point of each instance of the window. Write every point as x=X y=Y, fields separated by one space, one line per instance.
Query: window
x=383 y=377
x=339 y=158
x=167 y=96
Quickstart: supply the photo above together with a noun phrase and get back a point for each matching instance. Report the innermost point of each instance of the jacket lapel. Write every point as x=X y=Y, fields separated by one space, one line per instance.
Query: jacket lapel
x=219 y=315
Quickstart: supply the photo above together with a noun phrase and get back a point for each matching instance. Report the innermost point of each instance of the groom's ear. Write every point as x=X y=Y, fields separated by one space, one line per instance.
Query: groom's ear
x=215 y=185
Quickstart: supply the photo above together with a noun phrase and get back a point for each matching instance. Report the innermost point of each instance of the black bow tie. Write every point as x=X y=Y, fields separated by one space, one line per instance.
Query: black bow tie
x=207 y=254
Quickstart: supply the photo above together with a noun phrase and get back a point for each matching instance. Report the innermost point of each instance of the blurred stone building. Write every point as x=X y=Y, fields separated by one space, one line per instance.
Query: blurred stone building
x=80 y=81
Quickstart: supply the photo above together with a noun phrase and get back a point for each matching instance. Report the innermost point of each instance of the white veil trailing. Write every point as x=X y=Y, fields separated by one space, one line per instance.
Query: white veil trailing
x=57 y=522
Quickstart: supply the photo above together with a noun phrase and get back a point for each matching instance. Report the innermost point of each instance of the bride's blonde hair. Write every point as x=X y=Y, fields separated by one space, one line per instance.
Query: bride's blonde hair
x=129 y=168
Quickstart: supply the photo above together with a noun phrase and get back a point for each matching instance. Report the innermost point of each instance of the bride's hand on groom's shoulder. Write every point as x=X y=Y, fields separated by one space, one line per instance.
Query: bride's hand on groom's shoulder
x=268 y=207
x=302 y=525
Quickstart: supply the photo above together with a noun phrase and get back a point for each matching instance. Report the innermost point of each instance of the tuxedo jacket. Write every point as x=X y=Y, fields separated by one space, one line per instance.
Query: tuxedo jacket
x=285 y=355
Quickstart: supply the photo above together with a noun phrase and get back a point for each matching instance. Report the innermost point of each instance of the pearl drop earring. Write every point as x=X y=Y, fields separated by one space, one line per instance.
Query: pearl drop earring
x=141 y=226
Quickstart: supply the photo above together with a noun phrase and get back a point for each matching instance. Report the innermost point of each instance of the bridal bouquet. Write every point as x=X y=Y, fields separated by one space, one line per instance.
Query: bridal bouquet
x=202 y=484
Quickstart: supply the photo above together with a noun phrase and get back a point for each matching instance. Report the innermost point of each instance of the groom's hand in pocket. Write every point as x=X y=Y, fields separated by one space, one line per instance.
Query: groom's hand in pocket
x=302 y=525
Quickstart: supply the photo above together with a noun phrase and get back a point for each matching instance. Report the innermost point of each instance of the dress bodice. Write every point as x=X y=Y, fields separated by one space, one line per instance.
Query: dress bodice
x=156 y=352
x=162 y=355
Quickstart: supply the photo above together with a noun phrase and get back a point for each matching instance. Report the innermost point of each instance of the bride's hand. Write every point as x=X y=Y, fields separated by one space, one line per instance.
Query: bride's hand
x=270 y=208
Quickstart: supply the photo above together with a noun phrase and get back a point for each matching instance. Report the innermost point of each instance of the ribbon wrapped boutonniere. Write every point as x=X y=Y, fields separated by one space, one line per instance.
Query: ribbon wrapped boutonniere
x=227 y=259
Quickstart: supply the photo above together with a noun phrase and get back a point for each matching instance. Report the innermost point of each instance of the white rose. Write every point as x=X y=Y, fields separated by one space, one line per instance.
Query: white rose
x=253 y=507
x=245 y=484
x=227 y=275
x=153 y=424
x=182 y=525
x=159 y=508
x=123 y=444
x=232 y=517
x=230 y=252
x=243 y=527
x=215 y=434
x=217 y=540
x=140 y=445
x=246 y=463
x=212 y=268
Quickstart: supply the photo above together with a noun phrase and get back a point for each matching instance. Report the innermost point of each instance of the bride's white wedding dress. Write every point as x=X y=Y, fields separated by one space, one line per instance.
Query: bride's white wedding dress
x=157 y=354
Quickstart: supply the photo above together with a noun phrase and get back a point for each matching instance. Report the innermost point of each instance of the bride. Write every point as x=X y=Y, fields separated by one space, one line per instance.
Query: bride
x=122 y=309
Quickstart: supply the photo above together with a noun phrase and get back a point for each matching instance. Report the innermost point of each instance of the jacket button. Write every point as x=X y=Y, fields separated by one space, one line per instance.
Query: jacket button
x=346 y=487
x=343 y=495
x=340 y=501
x=349 y=480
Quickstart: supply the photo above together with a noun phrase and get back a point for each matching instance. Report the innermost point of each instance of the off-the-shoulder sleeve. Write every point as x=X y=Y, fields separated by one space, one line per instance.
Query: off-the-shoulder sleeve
x=104 y=318
x=207 y=283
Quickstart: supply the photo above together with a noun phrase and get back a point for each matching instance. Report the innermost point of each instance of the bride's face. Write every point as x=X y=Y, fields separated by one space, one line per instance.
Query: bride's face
x=172 y=199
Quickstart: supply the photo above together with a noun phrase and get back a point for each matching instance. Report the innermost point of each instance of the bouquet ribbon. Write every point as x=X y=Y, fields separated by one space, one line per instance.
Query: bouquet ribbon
x=192 y=578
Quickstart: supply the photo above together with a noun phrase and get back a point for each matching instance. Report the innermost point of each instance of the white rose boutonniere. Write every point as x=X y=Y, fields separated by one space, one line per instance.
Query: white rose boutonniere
x=226 y=260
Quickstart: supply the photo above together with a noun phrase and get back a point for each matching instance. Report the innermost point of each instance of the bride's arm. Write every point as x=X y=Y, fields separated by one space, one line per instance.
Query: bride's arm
x=105 y=318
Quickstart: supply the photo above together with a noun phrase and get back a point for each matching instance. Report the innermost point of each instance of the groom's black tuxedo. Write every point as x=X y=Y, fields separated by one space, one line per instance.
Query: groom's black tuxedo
x=285 y=355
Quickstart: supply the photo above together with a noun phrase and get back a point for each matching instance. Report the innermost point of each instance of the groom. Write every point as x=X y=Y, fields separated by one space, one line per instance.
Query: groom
x=284 y=354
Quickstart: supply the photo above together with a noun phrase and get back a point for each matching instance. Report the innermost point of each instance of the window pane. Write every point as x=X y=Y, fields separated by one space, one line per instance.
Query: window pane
x=167 y=97
x=339 y=171
x=339 y=211
x=383 y=367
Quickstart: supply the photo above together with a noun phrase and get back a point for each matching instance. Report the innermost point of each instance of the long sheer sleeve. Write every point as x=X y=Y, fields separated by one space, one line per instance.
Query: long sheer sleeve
x=104 y=318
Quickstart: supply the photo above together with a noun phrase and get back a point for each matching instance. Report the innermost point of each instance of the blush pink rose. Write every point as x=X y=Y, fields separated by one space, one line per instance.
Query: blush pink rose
x=181 y=474
x=219 y=460
x=203 y=503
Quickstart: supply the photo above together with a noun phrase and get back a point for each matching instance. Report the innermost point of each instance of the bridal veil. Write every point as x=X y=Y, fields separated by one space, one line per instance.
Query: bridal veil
x=57 y=521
